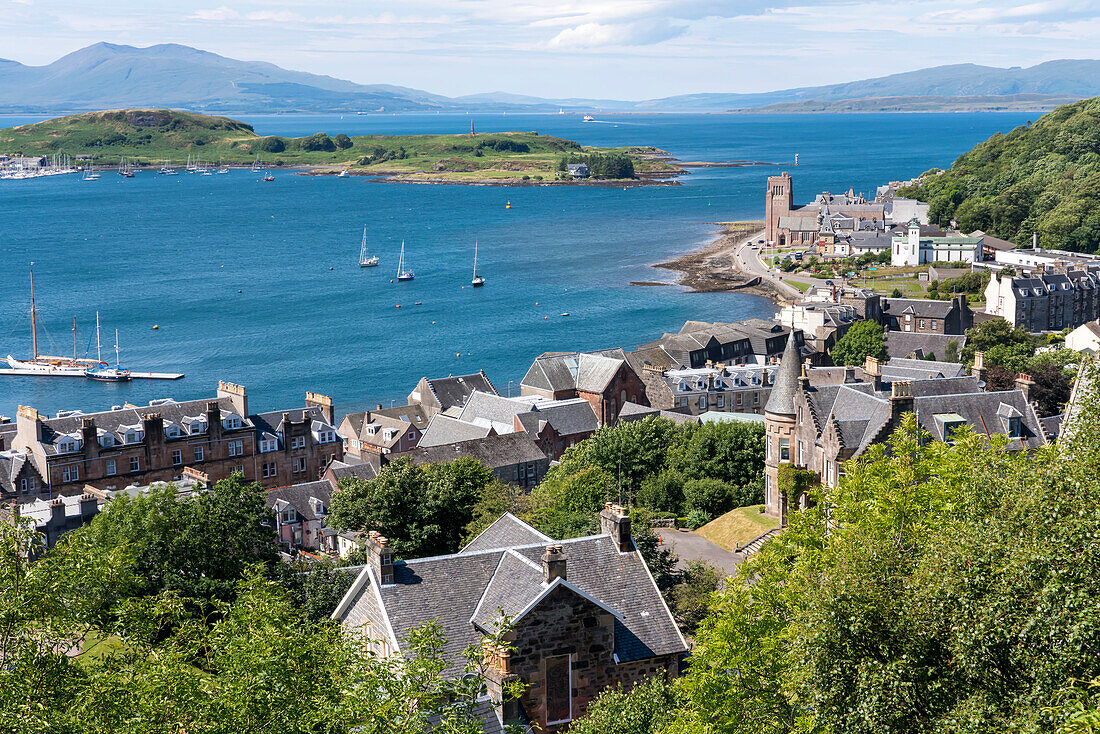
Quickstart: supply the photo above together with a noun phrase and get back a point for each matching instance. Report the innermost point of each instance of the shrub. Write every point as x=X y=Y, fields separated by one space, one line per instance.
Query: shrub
x=271 y=144
x=343 y=142
x=696 y=519
x=317 y=142
x=713 y=497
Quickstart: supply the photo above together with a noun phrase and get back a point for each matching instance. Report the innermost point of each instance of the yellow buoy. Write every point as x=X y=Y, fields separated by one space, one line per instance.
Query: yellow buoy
x=458 y=354
x=508 y=205
x=156 y=326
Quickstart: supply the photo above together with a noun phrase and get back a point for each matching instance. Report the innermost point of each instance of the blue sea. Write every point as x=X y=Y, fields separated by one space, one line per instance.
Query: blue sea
x=258 y=284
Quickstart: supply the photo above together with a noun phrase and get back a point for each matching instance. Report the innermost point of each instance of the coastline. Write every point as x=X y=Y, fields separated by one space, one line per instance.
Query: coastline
x=711 y=268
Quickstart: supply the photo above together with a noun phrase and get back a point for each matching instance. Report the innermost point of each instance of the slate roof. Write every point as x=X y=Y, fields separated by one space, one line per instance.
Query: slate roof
x=299 y=496
x=446 y=430
x=919 y=369
x=985 y=414
x=781 y=399
x=634 y=412
x=905 y=343
x=494 y=451
x=455 y=390
x=504 y=532
x=12 y=462
x=572 y=371
x=919 y=307
x=567 y=417
x=272 y=422
x=415 y=414
x=486 y=410
x=365 y=471
x=449 y=590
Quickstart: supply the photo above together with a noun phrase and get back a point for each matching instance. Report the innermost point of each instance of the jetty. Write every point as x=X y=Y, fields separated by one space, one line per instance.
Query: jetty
x=81 y=375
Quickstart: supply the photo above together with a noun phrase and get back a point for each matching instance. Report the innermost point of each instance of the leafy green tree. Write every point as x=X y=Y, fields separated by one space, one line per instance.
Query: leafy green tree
x=1002 y=345
x=712 y=497
x=423 y=509
x=864 y=339
x=197 y=547
x=315 y=588
x=690 y=601
x=896 y=293
x=646 y=709
x=342 y=141
x=662 y=492
x=730 y=451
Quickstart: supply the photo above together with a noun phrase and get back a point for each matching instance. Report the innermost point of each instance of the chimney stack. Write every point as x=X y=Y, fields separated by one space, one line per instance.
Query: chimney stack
x=88 y=506
x=553 y=564
x=237 y=395
x=213 y=419
x=57 y=511
x=1023 y=384
x=381 y=556
x=978 y=370
x=901 y=398
x=871 y=368
x=615 y=522
x=90 y=436
x=324 y=402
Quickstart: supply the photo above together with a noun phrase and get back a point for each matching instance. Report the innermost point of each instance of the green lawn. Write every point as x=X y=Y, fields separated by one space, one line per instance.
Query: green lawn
x=738 y=527
x=797 y=284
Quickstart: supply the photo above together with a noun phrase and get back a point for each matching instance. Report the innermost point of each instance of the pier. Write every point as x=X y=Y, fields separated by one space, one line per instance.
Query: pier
x=133 y=375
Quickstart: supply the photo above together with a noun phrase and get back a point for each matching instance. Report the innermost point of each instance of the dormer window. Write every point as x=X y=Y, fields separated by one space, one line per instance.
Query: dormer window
x=950 y=424
x=372 y=429
x=196 y=426
x=319 y=506
x=683 y=386
x=172 y=430
x=231 y=422
x=133 y=435
x=718 y=384
x=700 y=384
x=107 y=440
x=290 y=515
x=389 y=434
x=1015 y=427
x=68 y=445
x=267 y=445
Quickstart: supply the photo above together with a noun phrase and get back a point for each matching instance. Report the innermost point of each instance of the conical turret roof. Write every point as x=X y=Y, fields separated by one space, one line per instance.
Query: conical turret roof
x=781 y=400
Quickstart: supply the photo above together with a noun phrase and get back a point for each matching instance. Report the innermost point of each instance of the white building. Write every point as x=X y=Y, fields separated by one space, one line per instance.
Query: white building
x=1085 y=338
x=913 y=248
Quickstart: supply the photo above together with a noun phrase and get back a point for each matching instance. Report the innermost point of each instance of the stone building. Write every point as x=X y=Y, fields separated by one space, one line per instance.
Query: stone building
x=788 y=225
x=53 y=518
x=585 y=614
x=1045 y=301
x=133 y=444
x=437 y=395
x=604 y=379
x=299 y=512
x=818 y=418
x=515 y=458
x=920 y=316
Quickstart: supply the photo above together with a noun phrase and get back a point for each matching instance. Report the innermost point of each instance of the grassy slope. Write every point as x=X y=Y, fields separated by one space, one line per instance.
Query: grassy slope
x=151 y=136
x=738 y=527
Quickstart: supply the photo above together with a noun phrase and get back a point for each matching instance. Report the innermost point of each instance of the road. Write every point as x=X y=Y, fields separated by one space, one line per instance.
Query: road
x=694 y=547
x=747 y=259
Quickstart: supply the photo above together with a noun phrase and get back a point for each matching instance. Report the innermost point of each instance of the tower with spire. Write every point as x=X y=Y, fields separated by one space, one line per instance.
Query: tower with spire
x=780 y=422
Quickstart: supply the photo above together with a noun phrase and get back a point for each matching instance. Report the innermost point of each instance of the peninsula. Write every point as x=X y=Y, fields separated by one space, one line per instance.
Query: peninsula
x=152 y=137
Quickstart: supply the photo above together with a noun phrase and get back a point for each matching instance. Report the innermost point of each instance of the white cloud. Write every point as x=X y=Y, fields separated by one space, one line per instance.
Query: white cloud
x=600 y=35
x=215 y=14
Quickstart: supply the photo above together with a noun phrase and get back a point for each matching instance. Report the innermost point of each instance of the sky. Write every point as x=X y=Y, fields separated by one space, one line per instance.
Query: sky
x=618 y=49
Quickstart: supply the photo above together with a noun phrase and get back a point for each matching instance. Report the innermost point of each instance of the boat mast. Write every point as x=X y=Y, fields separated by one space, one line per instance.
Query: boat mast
x=475 y=258
x=34 y=321
x=118 y=361
x=74 y=338
x=98 y=348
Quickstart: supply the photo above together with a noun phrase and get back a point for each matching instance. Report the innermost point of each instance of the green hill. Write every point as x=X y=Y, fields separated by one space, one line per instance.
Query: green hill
x=1042 y=178
x=148 y=137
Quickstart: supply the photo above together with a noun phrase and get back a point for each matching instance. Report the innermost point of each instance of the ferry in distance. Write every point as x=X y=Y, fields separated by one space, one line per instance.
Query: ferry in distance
x=589 y=118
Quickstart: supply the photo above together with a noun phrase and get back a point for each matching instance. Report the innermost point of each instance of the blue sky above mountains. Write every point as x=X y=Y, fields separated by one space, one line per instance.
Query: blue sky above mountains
x=592 y=48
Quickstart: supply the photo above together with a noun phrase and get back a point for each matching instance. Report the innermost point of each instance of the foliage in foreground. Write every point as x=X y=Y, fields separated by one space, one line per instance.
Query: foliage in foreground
x=939 y=588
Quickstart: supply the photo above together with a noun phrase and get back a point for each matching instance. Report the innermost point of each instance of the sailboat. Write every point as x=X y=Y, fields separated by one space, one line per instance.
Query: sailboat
x=47 y=365
x=126 y=170
x=403 y=274
x=478 y=281
x=105 y=373
x=364 y=261
x=167 y=170
x=89 y=172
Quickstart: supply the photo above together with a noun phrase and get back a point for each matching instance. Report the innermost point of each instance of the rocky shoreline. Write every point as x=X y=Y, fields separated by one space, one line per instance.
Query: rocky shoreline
x=711 y=269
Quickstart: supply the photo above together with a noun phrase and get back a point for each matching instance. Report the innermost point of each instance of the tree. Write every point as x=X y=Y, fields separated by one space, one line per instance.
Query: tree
x=864 y=339
x=197 y=547
x=1002 y=345
x=423 y=509
x=646 y=709
x=896 y=293
x=690 y=601
x=343 y=142
x=712 y=497
x=730 y=451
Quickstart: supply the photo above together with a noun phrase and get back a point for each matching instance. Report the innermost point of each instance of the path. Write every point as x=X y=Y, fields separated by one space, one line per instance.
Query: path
x=693 y=547
x=748 y=261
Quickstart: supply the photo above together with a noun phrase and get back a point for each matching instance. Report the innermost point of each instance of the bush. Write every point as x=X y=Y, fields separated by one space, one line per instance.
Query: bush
x=343 y=142
x=696 y=519
x=317 y=142
x=271 y=144
x=713 y=497
x=664 y=491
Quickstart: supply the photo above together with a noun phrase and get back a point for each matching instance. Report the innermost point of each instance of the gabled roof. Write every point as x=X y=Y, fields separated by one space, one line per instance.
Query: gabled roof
x=493 y=451
x=506 y=531
x=453 y=391
x=450 y=589
x=918 y=307
x=572 y=371
x=446 y=430
x=341 y=470
x=567 y=417
x=299 y=497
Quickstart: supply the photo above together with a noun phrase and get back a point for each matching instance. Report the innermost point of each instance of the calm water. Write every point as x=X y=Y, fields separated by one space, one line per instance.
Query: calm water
x=257 y=283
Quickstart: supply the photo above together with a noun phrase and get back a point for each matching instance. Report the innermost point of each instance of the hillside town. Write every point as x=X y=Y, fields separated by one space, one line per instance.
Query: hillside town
x=585 y=613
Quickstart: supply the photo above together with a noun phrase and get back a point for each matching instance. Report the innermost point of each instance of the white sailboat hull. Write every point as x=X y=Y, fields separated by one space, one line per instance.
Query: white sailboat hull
x=50 y=367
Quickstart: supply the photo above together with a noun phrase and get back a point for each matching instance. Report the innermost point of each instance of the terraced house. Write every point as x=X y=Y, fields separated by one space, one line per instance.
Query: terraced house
x=132 y=444
x=584 y=614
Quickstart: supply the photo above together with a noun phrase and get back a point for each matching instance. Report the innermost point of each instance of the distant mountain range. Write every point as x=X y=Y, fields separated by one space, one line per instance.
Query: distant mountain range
x=109 y=76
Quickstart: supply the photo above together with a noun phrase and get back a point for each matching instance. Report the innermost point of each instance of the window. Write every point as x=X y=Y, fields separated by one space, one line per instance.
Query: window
x=197 y=427
x=268 y=445
x=135 y=465
x=784 y=449
x=107 y=440
x=236 y=448
x=111 y=468
x=703 y=402
x=298 y=442
x=1015 y=428
x=133 y=436
x=756 y=398
x=740 y=399
x=172 y=431
x=327 y=437
x=559 y=689
x=270 y=469
x=231 y=423
x=289 y=515
x=26 y=484
x=801 y=453
x=67 y=445
x=198 y=453
x=70 y=474
x=299 y=465
x=922 y=323
x=237 y=470
x=720 y=401
x=177 y=457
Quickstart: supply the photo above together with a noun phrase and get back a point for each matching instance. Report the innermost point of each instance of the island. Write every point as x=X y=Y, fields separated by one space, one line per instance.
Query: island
x=153 y=138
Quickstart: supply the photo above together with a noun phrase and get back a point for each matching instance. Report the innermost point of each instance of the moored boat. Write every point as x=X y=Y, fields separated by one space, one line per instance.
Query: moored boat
x=478 y=280
x=402 y=273
x=366 y=261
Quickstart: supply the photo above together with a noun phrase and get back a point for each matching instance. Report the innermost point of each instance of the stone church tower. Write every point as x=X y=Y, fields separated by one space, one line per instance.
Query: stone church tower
x=779 y=202
x=780 y=422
